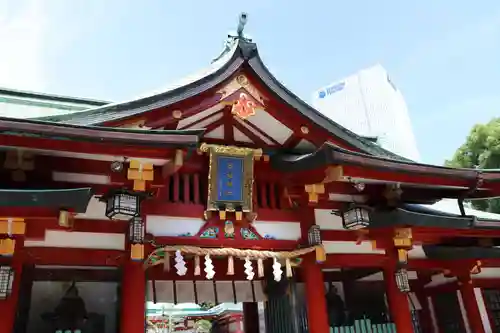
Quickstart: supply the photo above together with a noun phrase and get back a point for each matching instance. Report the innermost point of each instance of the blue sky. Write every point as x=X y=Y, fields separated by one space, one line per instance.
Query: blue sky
x=443 y=55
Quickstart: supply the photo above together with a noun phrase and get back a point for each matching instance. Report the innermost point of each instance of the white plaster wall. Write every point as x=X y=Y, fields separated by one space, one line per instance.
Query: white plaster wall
x=482 y=310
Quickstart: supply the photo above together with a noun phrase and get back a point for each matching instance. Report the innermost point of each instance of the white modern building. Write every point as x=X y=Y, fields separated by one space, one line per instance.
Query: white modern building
x=369 y=104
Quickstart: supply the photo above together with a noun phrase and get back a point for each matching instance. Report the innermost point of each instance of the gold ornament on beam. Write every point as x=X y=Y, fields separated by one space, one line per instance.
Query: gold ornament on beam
x=137 y=252
x=140 y=173
x=7 y=247
x=403 y=242
x=65 y=219
x=314 y=190
x=12 y=226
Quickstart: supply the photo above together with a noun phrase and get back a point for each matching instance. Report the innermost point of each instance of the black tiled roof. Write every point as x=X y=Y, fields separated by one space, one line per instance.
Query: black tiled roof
x=245 y=53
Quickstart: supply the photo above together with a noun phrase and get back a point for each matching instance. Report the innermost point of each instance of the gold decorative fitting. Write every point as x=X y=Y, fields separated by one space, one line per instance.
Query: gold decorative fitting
x=235 y=182
x=7 y=247
x=140 y=173
x=333 y=174
x=242 y=83
x=320 y=253
x=65 y=219
x=403 y=233
x=304 y=129
x=137 y=252
x=402 y=256
x=244 y=107
x=403 y=238
x=242 y=80
x=12 y=226
x=314 y=190
x=402 y=242
x=177 y=114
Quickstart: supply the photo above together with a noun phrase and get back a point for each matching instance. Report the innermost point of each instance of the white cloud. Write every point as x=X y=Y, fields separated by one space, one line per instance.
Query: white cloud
x=23 y=26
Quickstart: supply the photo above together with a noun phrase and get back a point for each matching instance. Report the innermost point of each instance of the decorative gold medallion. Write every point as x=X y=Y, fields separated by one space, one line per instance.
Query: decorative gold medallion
x=244 y=107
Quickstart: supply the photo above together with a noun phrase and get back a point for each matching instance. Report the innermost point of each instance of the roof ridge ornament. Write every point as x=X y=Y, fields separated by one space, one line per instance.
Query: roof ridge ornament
x=232 y=39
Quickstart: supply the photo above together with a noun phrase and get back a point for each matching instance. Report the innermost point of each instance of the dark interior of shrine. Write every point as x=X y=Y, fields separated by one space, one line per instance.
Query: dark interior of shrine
x=93 y=294
x=56 y=298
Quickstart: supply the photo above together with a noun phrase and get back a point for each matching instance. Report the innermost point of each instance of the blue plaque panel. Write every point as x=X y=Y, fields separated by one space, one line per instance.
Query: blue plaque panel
x=229 y=178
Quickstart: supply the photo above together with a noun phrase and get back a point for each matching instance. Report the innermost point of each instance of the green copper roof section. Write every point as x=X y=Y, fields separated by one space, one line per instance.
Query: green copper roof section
x=36 y=103
x=75 y=199
x=85 y=102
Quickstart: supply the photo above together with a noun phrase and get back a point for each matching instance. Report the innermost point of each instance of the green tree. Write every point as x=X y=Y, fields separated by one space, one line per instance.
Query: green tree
x=481 y=150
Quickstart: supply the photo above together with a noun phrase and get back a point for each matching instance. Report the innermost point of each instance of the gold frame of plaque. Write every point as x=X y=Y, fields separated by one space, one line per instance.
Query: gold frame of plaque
x=216 y=202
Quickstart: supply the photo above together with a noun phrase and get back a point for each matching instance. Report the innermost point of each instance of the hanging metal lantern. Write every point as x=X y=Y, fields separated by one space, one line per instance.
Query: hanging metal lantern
x=136 y=233
x=402 y=280
x=314 y=235
x=122 y=204
x=356 y=217
x=6 y=279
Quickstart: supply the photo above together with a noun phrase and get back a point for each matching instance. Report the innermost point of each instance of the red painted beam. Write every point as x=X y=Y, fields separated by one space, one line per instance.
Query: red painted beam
x=339 y=235
x=73 y=257
x=35 y=228
x=158 y=207
x=85 y=166
x=343 y=260
x=96 y=148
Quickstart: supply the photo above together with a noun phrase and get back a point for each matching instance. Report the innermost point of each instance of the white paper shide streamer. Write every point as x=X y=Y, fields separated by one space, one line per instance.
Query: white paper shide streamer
x=209 y=268
x=248 y=269
x=277 y=272
x=180 y=264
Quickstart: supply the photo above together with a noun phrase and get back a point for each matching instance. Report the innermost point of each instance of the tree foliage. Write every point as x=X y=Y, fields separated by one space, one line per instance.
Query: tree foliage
x=481 y=150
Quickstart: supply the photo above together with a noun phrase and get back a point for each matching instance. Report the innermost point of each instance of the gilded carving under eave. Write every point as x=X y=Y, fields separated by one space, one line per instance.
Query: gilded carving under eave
x=241 y=81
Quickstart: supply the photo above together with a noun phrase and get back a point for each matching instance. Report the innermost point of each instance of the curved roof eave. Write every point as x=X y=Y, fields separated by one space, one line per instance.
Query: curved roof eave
x=222 y=69
x=190 y=86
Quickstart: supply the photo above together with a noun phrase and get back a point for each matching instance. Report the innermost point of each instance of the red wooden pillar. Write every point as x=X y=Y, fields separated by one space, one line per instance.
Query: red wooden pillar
x=470 y=304
x=398 y=302
x=317 y=316
x=8 y=307
x=133 y=307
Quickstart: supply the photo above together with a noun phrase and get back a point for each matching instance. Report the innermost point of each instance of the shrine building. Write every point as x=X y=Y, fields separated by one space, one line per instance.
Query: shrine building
x=230 y=189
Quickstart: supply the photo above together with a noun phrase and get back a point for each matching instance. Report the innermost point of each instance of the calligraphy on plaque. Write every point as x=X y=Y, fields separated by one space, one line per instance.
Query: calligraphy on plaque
x=229 y=179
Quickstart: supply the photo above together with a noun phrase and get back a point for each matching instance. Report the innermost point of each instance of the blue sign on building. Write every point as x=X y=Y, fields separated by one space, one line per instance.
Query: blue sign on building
x=229 y=178
x=331 y=90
